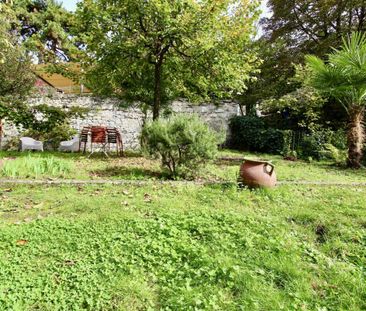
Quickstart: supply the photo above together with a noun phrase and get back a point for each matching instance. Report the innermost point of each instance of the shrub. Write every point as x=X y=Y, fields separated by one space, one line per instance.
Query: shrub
x=11 y=144
x=251 y=133
x=183 y=143
x=317 y=144
x=331 y=152
x=52 y=137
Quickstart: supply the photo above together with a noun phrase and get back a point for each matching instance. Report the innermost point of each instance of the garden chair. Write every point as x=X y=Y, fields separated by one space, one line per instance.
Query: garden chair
x=84 y=137
x=114 y=137
x=28 y=143
x=99 y=138
x=70 y=145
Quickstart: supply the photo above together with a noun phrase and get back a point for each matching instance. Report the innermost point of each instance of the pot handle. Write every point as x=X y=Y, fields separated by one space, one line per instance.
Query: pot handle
x=272 y=168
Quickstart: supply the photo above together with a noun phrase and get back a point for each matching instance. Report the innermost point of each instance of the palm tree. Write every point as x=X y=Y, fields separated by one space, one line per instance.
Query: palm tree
x=343 y=77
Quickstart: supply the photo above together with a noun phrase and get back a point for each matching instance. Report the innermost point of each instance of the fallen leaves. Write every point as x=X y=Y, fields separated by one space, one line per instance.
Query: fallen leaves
x=147 y=198
x=69 y=262
x=22 y=242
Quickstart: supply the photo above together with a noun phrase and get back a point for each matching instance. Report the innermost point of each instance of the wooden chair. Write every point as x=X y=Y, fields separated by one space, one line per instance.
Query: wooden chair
x=114 y=137
x=84 y=137
x=99 y=137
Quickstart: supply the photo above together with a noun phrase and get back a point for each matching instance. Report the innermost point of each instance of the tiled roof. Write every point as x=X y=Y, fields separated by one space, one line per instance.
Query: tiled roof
x=59 y=82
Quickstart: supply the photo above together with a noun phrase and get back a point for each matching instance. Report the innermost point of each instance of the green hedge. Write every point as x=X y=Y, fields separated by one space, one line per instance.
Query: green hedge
x=251 y=133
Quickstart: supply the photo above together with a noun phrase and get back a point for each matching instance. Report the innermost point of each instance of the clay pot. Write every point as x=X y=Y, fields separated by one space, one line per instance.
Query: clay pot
x=256 y=173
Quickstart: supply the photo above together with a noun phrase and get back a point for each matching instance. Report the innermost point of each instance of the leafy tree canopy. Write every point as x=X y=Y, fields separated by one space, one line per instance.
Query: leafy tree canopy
x=295 y=29
x=314 y=26
x=155 y=51
x=16 y=78
x=43 y=26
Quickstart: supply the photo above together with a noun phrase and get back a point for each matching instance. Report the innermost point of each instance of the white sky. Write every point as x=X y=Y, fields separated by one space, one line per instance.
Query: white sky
x=69 y=4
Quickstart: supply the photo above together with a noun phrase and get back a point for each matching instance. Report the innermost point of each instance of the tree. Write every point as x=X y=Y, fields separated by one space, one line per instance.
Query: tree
x=343 y=77
x=43 y=26
x=294 y=29
x=314 y=26
x=155 y=51
x=298 y=110
x=16 y=78
x=274 y=77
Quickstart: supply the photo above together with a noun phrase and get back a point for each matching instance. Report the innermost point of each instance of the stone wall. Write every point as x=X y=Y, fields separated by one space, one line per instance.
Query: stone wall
x=129 y=121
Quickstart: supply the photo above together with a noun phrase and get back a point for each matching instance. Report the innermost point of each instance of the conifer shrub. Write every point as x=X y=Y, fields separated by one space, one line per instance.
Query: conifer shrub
x=184 y=143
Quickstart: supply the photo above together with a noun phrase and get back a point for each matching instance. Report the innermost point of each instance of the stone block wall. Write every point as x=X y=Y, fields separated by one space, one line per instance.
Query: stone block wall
x=129 y=121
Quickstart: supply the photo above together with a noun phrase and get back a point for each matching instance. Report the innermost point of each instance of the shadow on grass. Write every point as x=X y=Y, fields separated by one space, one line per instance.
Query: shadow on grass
x=130 y=173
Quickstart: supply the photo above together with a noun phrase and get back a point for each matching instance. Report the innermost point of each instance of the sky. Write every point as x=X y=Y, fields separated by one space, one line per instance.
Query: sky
x=69 y=4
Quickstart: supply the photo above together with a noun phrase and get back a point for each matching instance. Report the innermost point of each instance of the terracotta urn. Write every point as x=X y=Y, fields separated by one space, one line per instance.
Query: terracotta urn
x=257 y=173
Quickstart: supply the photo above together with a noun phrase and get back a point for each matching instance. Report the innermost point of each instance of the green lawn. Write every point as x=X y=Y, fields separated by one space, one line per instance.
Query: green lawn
x=184 y=247
x=134 y=166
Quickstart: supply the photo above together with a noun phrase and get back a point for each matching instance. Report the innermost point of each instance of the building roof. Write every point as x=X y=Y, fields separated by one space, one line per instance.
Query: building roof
x=58 y=81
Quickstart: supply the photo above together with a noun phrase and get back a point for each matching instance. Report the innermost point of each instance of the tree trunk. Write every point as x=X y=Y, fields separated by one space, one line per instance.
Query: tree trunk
x=157 y=89
x=355 y=137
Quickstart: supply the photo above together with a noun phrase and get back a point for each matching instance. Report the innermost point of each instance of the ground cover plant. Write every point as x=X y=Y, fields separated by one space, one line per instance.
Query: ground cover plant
x=182 y=248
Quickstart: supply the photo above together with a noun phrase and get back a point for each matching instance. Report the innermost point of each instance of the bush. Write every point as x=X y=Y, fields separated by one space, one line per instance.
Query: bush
x=322 y=143
x=251 y=133
x=331 y=152
x=11 y=144
x=183 y=143
x=52 y=137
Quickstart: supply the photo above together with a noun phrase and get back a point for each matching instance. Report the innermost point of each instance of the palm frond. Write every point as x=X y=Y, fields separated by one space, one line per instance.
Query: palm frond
x=344 y=74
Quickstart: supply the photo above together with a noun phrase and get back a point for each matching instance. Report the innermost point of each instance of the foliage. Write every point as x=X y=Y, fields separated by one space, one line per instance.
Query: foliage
x=11 y=144
x=301 y=109
x=311 y=26
x=207 y=248
x=337 y=155
x=318 y=144
x=35 y=167
x=53 y=137
x=252 y=134
x=182 y=142
x=16 y=78
x=273 y=78
x=313 y=145
x=344 y=77
x=43 y=27
x=42 y=121
x=155 y=51
x=294 y=29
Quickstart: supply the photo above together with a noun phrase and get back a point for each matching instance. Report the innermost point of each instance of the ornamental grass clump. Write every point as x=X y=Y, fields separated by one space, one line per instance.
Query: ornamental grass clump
x=183 y=143
x=35 y=166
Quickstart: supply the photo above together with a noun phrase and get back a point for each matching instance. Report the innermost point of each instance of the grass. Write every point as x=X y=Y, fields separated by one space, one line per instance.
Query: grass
x=135 y=167
x=35 y=166
x=182 y=248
